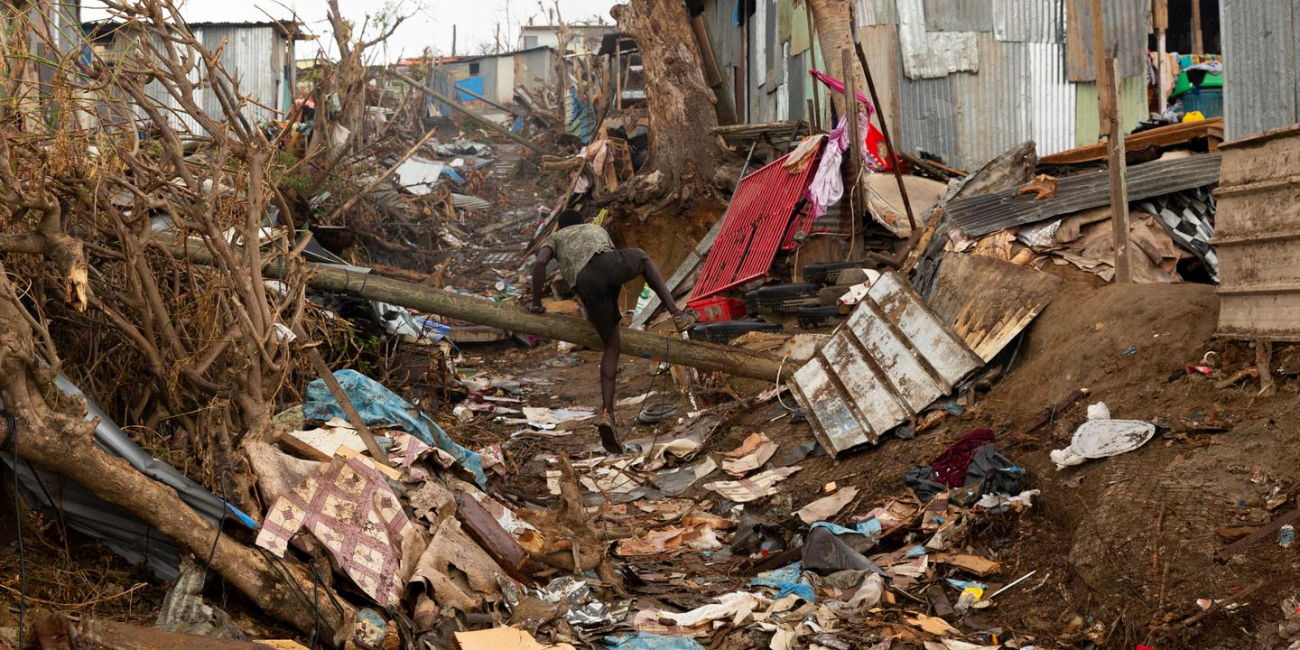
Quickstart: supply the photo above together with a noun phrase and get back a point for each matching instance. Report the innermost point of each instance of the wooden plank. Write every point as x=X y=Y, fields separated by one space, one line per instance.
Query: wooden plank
x=124 y=636
x=501 y=545
x=983 y=291
x=1164 y=136
x=1266 y=531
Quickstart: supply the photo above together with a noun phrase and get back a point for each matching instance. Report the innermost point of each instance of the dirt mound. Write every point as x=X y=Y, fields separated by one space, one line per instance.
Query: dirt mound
x=1126 y=541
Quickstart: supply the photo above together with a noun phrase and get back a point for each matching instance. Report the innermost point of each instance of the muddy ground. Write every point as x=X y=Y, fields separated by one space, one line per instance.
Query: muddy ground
x=1119 y=547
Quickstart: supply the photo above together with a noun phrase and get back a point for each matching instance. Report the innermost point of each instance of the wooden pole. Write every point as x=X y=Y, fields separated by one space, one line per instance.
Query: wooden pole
x=468 y=113
x=354 y=418
x=704 y=356
x=1198 y=37
x=453 y=40
x=1160 y=18
x=851 y=116
x=1118 y=180
x=1112 y=127
x=814 y=118
x=884 y=124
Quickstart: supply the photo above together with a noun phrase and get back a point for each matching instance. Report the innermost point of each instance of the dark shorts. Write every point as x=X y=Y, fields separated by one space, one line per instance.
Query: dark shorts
x=600 y=282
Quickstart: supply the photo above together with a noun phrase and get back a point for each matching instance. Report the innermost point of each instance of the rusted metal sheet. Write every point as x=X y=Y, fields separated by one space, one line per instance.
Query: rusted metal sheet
x=929 y=124
x=986 y=123
x=927 y=54
x=889 y=361
x=1257 y=236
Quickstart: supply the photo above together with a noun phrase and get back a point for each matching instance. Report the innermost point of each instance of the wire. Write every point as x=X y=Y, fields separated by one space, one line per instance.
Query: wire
x=780 y=401
x=220 y=526
x=11 y=424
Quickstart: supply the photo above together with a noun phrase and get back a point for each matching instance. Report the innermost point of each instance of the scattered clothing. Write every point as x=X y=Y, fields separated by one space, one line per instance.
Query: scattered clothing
x=950 y=466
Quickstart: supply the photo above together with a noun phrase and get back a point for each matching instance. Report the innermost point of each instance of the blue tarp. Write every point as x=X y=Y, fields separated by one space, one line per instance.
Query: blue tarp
x=378 y=405
x=581 y=120
x=786 y=580
x=648 y=641
x=871 y=528
x=473 y=85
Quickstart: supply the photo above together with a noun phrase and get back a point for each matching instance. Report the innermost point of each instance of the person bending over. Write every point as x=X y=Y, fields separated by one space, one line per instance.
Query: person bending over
x=597 y=271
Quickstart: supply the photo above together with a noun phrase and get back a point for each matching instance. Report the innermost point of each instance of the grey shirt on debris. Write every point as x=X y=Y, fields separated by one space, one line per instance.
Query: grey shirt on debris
x=575 y=246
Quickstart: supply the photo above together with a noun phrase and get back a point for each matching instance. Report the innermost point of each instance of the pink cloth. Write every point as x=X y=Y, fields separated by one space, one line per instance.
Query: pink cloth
x=838 y=86
x=827 y=186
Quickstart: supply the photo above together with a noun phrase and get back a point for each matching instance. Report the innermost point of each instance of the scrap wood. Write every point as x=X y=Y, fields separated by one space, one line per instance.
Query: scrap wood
x=123 y=636
x=1268 y=530
x=1234 y=378
x=501 y=545
x=980 y=566
x=1164 y=136
x=571 y=522
x=932 y=625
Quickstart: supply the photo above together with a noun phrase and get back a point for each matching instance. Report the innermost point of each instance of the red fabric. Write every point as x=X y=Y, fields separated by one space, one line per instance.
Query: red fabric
x=952 y=463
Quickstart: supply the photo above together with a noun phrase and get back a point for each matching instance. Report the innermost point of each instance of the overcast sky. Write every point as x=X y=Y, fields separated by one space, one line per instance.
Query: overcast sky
x=429 y=25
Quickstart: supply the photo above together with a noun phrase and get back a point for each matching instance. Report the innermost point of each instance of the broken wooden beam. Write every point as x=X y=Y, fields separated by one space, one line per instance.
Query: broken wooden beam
x=696 y=354
x=501 y=545
x=124 y=636
x=1268 y=530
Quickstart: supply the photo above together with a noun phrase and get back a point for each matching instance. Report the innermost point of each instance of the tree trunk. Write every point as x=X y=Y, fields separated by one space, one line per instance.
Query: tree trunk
x=685 y=154
x=833 y=23
x=52 y=435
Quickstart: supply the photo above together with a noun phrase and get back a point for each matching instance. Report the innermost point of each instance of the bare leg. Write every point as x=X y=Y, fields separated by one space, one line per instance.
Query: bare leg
x=656 y=281
x=609 y=371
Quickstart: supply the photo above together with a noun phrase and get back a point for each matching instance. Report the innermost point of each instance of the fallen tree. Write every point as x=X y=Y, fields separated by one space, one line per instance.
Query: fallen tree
x=637 y=343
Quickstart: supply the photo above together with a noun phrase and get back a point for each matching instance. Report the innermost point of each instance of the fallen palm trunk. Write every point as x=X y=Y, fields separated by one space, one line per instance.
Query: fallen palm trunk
x=704 y=356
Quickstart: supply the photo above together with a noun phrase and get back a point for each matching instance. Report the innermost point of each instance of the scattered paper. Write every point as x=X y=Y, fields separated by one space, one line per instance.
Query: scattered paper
x=752 y=488
x=503 y=638
x=749 y=456
x=546 y=419
x=827 y=507
x=932 y=625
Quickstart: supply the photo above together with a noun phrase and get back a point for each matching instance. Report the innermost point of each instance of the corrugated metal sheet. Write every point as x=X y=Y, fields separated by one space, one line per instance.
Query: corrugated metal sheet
x=753 y=229
x=959 y=15
x=1127 y=24
x=877 y=12
x=1087 y=122
x=929 y=116
x=1029 y=21
x=1261 y=43
x=255 y=56
x=1052 y=98
x=987 y=213
x=993 y=106
x=1258 y=236
x=889 y=361
x=928 y=55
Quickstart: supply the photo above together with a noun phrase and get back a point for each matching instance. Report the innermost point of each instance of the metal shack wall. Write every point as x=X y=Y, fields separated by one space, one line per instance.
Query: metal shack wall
x=533 y=69
x=1261 y=40
x=1020 y=91
x=255 y=57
